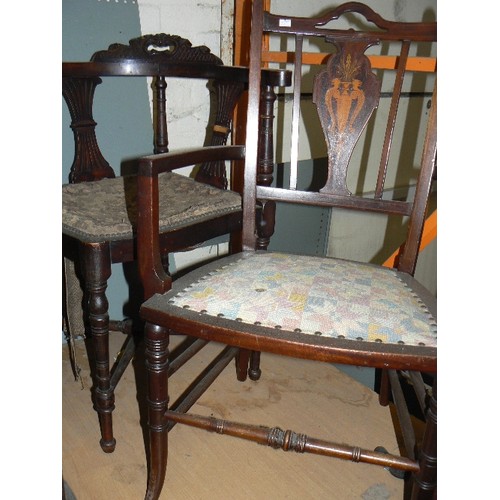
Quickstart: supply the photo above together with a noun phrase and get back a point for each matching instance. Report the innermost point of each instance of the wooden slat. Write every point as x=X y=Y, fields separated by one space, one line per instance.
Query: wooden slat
x=297 y=80
x=391 y=120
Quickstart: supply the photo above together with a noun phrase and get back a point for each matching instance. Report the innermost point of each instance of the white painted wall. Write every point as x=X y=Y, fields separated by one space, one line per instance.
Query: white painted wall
x=200 y=22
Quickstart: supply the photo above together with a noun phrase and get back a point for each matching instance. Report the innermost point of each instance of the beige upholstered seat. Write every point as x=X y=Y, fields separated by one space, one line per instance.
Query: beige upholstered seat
x=106 y=210
x=307 y=295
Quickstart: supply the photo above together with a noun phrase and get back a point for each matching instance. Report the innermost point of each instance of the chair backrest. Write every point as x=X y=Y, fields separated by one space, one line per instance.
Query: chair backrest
x=158 y=56
x=346 y=92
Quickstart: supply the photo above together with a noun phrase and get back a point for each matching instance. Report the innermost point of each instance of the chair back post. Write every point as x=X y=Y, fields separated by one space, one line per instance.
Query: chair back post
x=407 y=260
x=252 y=135
x=160 y=114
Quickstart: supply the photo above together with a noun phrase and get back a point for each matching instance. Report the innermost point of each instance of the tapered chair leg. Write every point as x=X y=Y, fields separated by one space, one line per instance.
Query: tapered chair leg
x=425 y=480
x=242 y=360
x=156 y=343
x=97 y=269
x=384 y=397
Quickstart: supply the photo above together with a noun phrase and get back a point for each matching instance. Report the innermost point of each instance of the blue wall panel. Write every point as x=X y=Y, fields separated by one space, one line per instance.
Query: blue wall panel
x=123 y=131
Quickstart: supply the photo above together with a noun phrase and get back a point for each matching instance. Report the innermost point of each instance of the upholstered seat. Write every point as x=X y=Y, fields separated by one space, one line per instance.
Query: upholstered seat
x=106 y=210
x=305 y=295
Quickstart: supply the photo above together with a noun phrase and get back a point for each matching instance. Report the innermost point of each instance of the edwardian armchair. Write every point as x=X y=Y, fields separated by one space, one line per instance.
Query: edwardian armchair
x=318 y=308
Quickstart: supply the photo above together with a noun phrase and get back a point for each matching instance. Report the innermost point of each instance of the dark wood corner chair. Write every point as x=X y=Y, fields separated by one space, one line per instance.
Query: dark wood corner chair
x=99 y=209
x=318 y=308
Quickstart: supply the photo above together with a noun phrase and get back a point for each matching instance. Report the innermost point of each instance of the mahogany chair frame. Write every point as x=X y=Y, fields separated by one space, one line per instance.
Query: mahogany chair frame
x=164 y=317
x=158 y=56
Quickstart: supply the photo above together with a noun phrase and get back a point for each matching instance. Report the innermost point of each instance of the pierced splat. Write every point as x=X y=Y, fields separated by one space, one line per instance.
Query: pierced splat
x=346 y=93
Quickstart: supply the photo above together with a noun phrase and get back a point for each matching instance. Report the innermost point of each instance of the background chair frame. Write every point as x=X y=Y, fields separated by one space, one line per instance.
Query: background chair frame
x=94 y=258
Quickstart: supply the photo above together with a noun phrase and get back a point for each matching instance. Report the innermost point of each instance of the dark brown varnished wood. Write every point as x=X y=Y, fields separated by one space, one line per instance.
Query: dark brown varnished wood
x=425 y=485
x=96 y=267
x=159 y=56
x=89 y=164
x=346 y=93
x=290 y=441
x=266 y=215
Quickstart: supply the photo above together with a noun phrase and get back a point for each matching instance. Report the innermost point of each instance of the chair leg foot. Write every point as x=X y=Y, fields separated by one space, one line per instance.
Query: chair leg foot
x=158 y=463
x=254 y=372
x=397 y=473
x=97 y=270
x=424 y=485
x=104 y=405
x=108 y=446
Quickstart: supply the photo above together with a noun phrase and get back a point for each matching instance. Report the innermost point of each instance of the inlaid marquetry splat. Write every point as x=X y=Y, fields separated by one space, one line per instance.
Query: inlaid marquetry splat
x=346 y=94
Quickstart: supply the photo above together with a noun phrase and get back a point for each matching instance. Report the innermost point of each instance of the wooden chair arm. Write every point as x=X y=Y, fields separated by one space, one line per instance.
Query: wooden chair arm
x=152 y=273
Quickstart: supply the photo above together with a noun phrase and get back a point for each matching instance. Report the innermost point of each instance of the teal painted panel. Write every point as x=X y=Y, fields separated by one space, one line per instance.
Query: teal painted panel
x=301 y=228
x=121 y=106
x=91 y=25
x=123 y=131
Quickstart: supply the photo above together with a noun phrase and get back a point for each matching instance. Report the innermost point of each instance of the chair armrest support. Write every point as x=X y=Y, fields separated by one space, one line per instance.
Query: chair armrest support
x=153 y=165
x=153 y=276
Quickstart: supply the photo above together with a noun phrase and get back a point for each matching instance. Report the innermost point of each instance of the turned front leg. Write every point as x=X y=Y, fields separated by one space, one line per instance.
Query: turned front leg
x=97 y=270
x=425 y=481
x=156 y=345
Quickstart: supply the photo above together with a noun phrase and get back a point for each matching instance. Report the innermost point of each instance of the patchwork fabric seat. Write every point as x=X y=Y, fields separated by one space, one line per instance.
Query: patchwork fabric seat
x=308 y=295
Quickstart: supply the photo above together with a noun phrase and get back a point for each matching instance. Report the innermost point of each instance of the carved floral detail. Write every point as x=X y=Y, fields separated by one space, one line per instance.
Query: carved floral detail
x=160 y=47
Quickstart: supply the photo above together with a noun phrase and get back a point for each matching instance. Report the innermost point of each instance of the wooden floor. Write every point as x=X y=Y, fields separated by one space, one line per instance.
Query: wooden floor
x=314 y=399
